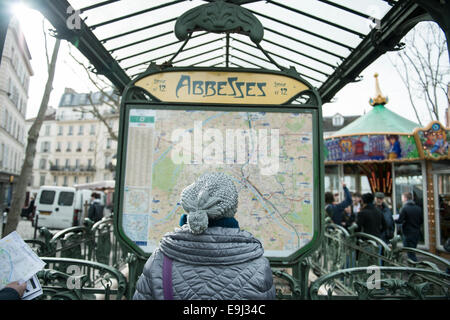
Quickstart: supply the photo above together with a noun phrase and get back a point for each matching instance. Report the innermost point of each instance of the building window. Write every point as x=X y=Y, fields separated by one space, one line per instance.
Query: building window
x=67 y=163
x=43 y=164
x=69 y=146
x=47 y=130
x=55 y=180
x=75 y=179
x=79 y=146
x=70 y=131
x=88 y=179
x=2 y=148
x=92 y=131
x=60 y=130
x=89 y=163
x=42 y=180
x=45 y=146
x=77 y=163
x=108 y=143
x=338 y=120
x=67 y=100
x=80 y=131
x=65 y=181
x=91 y=145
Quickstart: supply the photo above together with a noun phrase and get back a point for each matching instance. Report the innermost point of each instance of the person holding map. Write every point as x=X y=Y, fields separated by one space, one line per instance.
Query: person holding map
x=13 y=291
x=209 y=257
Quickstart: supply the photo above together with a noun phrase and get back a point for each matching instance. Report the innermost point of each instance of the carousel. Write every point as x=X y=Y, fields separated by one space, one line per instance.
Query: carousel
x=382 y=151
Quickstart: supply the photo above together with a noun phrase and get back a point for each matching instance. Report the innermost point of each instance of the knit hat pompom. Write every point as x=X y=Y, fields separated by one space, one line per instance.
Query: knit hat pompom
x=197 y=221
x=212 y=196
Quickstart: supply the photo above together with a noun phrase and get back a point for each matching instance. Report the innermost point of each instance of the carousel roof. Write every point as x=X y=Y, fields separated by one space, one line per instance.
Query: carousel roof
x=379 y=120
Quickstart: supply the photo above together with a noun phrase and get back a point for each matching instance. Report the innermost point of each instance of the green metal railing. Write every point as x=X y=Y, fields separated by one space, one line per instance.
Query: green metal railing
x=81 y=280
x=93 y=242
x=84 y=263
x=358 y=265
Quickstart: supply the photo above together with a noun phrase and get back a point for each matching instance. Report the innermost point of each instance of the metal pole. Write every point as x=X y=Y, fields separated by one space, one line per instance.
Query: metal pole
x=36 y=225
x=227 y=55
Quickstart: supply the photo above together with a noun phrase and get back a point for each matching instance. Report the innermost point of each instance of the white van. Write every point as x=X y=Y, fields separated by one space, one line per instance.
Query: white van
x=62 y=207
x=55 y=207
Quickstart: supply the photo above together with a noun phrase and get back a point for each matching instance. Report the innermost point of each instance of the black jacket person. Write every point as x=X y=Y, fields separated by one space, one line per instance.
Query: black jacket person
x=370 y=220
x=95 y=212
x=411 y=219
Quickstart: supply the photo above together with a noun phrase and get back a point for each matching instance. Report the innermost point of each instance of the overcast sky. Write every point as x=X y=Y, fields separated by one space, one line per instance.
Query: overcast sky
x=351 y=100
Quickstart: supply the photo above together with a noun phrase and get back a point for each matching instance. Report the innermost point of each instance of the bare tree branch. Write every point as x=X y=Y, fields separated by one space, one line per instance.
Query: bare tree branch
x=111 y=100
x=422 y=56
x=405 y=80
x=45 y=43
x=95 y=82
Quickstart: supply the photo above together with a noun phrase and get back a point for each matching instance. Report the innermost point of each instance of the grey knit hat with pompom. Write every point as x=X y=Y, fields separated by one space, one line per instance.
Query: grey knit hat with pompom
x=212 y=196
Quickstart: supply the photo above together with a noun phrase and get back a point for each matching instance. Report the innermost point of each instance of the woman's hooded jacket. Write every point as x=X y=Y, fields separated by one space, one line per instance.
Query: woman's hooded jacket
x=211 y=258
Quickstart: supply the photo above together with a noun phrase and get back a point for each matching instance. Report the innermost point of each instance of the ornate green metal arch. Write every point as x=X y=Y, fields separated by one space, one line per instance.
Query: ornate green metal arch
x=218 y=17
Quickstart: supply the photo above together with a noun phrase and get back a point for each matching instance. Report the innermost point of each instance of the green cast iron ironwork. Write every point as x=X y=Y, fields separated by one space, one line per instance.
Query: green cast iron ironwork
x=219 y=17
x=342 y=252
x=392 y=283
x=95 y=242
x=427 y=259
x=286 y=286
x=103 y=241
x=80 y=280
x=89 y=257
x=43 y=248
x=74 y=242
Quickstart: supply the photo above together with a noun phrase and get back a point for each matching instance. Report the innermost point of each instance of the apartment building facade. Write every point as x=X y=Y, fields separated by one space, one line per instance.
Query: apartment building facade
x=74 y=146
x=15 y=73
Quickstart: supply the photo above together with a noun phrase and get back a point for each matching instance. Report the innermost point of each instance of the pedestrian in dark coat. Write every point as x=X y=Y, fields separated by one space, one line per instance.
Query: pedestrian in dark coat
x=336 y=210
x=95 y=212
x=349 y=217
x=388 y=233
x=411 y=219
x=370 y=220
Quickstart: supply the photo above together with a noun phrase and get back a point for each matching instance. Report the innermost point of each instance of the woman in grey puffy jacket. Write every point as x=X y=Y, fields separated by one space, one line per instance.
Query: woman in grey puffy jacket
x=209 y=257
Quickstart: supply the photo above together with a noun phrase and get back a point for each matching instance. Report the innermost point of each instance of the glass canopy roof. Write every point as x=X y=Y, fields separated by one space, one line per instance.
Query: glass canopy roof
x=328 y=42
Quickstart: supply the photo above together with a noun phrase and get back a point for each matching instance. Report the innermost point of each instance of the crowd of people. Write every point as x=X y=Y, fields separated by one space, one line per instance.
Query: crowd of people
x=372 y=215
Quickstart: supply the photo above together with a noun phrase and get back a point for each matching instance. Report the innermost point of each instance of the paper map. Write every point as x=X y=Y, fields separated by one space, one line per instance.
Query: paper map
x=18 y=262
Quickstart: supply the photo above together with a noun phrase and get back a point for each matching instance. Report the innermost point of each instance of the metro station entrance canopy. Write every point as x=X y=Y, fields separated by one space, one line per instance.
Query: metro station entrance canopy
x=229 y=68
x=328 y=42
